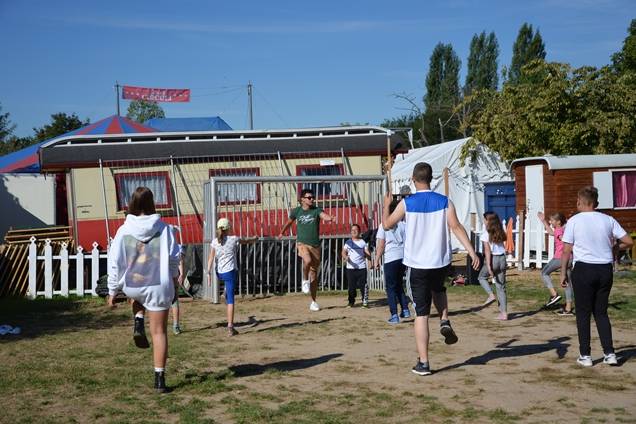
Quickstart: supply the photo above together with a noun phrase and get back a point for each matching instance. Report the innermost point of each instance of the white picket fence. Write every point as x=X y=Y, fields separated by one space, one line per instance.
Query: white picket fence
x=534 y=244
x=532 y=253
x=67 y=286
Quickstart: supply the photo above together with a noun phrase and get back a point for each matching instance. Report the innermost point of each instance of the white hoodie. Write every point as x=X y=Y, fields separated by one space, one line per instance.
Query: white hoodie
x=143 y=259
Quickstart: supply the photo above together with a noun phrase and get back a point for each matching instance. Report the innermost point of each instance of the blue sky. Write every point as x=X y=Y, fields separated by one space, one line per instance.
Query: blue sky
x=311 y=63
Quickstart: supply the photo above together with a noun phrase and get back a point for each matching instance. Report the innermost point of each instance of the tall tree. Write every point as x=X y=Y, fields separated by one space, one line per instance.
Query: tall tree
x=143 y=110
x=6 y=126
x=625 y=60
x=442 y=94
x=481 y=70
x=61 y=123
x=528 y=46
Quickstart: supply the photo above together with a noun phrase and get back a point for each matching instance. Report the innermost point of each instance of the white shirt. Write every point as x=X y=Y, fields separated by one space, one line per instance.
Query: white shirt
x=393 y=242
x=495 y=248
x=428 y=243
x=355 y=251
x=225 y=254
x=592 y=234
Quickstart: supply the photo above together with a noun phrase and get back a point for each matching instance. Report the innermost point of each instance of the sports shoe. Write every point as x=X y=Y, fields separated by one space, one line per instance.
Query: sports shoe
x=160 y=382
x=313 y=306
x=489 y=301
x=365 y=305
x=176 y=329
x=405 y=314
x=305 y=285
x=421 y=368
x=231 y=331
x=447 y=331
x=610 y=359
x=552 y=300
x=139 y=334
x=562 y=312
x=395 y=319
x=585 y=361
x=350 y=305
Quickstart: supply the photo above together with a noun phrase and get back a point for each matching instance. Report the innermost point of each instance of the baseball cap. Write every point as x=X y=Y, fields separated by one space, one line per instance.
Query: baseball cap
x=223 y=224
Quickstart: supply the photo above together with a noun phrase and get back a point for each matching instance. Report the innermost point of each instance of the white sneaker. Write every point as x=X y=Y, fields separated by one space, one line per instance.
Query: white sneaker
x=610 y=359
x=585 y=361
x=313 y=306
x=305 y=286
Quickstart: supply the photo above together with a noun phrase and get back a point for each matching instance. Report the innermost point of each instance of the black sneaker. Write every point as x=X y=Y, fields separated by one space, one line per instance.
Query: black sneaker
x=553 y=300
x=160 y=382
x=447 y=331
x=421 y=368
x=562 y=312
x=139 y=334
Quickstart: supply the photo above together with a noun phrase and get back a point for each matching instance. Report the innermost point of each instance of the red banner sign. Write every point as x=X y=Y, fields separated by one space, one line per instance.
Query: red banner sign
x=156 y=94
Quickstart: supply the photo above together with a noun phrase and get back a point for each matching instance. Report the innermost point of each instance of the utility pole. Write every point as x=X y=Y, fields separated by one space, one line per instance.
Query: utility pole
x=117 y=91
x=249 y=105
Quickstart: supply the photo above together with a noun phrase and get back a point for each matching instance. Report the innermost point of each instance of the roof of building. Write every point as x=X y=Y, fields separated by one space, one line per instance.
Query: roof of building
x=582 y=161
x=78 y=151
x=212 y=123
x=26 y=160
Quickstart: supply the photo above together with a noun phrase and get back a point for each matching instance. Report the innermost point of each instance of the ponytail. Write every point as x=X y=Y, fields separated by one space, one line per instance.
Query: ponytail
x=220 y=233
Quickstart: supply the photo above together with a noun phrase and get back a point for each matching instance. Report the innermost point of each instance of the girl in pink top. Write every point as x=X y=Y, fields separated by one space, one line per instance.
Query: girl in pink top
x=556 y=227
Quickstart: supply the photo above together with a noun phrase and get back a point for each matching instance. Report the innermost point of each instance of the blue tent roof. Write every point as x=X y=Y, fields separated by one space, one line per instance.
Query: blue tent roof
x=213 y=123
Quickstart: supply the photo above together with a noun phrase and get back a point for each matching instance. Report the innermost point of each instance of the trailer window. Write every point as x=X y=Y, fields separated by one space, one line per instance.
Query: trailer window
x=322 y=190
x=158 y=182
x=233 y=193
x=624 y=188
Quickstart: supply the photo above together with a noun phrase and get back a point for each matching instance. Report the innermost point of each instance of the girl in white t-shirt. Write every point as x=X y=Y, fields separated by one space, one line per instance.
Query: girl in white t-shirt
x=223 y=253
x=493 y=239
x=356 y=255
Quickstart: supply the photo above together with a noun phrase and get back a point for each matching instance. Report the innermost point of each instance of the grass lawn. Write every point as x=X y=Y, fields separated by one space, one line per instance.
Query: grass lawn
x=75 y=362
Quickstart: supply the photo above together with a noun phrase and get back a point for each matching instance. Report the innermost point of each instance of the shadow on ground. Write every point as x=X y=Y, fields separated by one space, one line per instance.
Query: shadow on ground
x=250 y=370
x=505 y=350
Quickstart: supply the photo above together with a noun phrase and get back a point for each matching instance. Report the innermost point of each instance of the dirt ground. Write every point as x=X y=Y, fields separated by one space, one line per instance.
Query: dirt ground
x=336 y=365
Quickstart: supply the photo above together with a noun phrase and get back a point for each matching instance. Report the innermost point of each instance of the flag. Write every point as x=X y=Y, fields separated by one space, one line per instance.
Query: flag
x=156 y=94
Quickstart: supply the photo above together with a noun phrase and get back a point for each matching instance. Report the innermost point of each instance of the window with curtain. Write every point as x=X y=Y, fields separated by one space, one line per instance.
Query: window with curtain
x=158 y=182
x=231 y=193
x=321 y=190
x=624 y=187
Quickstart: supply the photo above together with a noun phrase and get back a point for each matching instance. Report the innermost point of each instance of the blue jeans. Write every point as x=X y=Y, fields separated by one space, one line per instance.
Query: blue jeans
x=393 y=278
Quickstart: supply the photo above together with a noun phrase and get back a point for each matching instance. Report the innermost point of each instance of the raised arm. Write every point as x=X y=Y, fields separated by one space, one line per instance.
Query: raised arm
x=545 y=223
x=460 y=232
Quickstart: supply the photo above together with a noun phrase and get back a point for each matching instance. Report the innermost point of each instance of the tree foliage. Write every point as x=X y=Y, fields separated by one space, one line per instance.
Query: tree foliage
x=481 y=72
x=528 y=46
x=557 y=110
x=442 y=95
x=61 y=123
x=143 y=110
x=6 y=126
x=625 y=60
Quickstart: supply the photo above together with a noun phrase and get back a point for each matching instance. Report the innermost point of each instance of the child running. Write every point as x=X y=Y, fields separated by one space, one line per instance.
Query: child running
x=493 y=239
x=391 y=244
x=591 y=236
x=224 y=248
x=356 y=255
x=556 y=227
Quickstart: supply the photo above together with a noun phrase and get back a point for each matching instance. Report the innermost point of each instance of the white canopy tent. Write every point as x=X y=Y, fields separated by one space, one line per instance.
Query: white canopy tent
x=465 y=180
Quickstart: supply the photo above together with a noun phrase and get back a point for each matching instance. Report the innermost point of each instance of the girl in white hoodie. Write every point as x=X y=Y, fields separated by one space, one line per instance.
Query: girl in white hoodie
x=143 y=261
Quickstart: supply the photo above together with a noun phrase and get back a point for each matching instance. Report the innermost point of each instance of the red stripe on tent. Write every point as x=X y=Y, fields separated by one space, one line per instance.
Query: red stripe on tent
x=88 y=128
x=138 y=127
x=114 y=127
x=29 y=160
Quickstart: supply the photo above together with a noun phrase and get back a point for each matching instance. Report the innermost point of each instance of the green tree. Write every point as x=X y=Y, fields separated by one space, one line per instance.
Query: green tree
x=6 y=127
x=625 y=60
x=481 y=72
x=442 y=95
x=61 y=123
x=557 y=110
x=143 y=110
x=528 y=46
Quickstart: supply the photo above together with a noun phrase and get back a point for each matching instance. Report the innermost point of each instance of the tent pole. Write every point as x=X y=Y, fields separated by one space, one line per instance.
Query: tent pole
x=176 y=198
x=101 y=171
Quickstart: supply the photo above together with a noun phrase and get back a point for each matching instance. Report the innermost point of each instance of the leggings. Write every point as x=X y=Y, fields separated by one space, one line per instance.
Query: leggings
x=499 y=269
x=555 y=265
x=229 y=281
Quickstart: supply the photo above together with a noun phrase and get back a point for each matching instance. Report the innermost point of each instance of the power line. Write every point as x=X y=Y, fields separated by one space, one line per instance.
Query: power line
x=285 y=123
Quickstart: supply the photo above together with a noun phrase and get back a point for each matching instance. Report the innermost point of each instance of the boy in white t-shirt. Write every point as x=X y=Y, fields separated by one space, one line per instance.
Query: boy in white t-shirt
x=591 y=237
x=356 y=255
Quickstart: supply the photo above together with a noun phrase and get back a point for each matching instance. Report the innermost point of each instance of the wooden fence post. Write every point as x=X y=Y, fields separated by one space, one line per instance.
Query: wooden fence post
x=48 y=269
x=33 y=275
x=64 y=269
x=79 y=271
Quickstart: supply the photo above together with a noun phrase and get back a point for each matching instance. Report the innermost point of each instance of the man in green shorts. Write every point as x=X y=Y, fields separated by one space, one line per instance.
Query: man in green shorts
x=307 y=217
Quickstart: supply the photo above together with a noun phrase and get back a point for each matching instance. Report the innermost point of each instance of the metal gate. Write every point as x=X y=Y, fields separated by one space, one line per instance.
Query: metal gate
x=258 y=206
